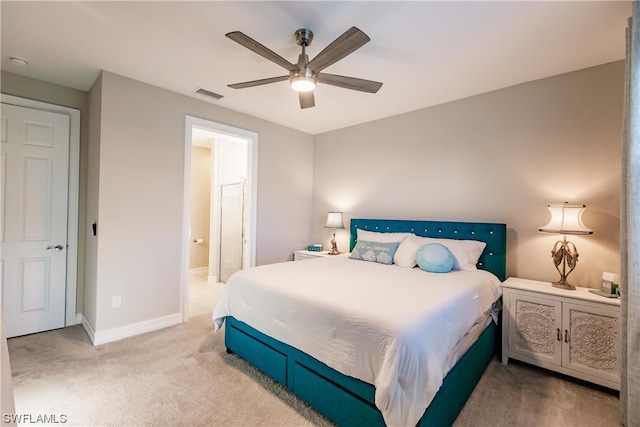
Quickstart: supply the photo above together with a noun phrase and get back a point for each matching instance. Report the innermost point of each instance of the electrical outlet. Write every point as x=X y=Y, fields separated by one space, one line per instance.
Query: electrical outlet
x=116 y=302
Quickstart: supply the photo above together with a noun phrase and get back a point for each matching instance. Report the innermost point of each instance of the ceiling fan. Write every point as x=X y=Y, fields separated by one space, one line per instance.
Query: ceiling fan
x=304 y=75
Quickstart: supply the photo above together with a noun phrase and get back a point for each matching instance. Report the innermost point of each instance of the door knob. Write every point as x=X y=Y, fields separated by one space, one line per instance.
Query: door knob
x=56 y=248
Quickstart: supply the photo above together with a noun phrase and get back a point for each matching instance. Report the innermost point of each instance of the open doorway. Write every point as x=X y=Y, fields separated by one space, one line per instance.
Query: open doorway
x=219 y=209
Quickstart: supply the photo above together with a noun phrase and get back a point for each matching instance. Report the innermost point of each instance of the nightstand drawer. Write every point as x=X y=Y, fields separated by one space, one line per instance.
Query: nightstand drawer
x=304 y=254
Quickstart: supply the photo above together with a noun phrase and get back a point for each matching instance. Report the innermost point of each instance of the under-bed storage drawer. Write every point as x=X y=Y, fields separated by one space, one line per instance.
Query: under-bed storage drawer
x=338 y=404
x=259 y=354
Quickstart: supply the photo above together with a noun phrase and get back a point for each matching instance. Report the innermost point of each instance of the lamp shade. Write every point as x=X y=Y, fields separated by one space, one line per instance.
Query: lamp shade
x=334 y=220
x=565 y=219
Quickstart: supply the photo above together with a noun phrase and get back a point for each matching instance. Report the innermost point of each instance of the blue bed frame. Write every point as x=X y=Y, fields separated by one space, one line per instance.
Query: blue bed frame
x=348 y=401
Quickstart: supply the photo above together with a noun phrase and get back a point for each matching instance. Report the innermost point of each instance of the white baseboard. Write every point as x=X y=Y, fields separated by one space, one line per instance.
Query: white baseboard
x=79 y=318
x=115 y=334
x=196 y=270
x=212 y=279
x=88 y=329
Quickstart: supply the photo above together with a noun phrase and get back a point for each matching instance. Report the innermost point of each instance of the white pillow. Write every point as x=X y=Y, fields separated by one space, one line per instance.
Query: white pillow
x=405 y=255
x=466 y=252
x=377 y=237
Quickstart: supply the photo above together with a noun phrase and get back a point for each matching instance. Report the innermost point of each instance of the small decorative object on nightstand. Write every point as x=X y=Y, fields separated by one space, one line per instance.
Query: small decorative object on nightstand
x=565 y=219
x=609 y=287
x=334 y=220
x=573 y=332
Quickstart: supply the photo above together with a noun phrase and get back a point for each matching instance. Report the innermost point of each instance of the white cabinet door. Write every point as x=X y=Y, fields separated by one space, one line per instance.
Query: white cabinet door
x=33 y=223
x=535 y=328
x=592 y=343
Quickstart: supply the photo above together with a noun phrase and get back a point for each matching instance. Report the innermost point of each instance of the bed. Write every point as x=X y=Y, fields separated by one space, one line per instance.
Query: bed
x=366 y=361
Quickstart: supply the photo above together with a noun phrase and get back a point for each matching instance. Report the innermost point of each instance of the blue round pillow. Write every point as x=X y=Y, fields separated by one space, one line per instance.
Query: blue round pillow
x=435 y=258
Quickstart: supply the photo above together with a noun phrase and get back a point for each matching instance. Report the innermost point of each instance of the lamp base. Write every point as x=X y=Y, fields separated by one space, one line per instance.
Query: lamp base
x=334 y=245
x=564 y=253
x=563 y=285
x=334 y=248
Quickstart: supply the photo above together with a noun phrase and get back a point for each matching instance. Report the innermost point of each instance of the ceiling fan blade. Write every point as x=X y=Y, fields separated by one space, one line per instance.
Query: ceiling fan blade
x=349 y=82
x=253 y=83
x=307 y=100
x=348 y=42
x=261 y=50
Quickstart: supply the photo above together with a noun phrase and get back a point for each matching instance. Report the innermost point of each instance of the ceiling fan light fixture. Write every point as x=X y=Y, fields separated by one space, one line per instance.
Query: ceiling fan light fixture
x=305 y=75
x=303 y=83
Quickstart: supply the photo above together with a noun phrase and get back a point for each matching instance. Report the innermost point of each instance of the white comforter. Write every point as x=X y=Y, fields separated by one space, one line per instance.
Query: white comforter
x=388 y=326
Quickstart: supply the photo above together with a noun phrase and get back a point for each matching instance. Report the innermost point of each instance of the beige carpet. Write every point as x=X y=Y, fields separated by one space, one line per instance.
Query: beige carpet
x=182 y=376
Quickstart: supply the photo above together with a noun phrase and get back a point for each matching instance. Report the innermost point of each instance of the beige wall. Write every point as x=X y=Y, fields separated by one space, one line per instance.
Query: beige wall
x=200 y=206
x=136 y=197
x=91 y=207
x=141 y=167
x=497 y=157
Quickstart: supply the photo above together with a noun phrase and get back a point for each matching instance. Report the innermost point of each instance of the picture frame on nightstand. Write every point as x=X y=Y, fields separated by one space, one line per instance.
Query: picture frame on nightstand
x=608 y=287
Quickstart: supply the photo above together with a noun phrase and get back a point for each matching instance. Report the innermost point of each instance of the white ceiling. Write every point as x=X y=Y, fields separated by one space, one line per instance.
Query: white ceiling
x=425 y=53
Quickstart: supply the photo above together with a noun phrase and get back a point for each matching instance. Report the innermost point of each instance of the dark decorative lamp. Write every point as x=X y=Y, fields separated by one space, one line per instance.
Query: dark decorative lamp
x=565 y=219
x=334 y=220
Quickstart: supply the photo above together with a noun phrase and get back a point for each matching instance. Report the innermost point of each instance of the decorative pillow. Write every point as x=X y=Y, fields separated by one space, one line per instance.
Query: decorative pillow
x=374 y=251
x=466 y=252
x=435 y=258
x=374 y=236
x=405 y=256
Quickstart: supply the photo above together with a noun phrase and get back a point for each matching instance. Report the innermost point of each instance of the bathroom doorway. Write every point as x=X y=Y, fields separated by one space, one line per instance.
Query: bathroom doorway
x=220 y=195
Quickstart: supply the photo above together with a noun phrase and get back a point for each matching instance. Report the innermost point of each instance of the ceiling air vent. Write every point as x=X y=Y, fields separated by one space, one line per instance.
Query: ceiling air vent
x=209 y=93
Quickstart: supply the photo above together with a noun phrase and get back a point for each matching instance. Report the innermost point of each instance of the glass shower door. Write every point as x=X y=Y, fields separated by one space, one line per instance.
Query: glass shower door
x=231 y=229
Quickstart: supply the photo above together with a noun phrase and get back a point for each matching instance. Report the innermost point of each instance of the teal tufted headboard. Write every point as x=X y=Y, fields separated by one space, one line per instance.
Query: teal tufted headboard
x=493 y=259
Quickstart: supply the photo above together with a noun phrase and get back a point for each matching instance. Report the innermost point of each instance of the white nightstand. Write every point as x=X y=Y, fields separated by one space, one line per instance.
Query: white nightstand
x=576 y=333
x=304 y=254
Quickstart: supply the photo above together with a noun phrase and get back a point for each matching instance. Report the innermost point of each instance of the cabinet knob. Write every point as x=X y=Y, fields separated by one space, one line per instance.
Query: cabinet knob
x=559 y=334
x=566 y=335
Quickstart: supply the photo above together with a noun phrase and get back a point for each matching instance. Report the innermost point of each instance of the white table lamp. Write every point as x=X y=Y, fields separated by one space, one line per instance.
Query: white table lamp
x=334 y=220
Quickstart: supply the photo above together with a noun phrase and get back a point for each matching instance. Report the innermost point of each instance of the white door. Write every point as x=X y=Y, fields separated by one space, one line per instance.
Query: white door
x=33 y=218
